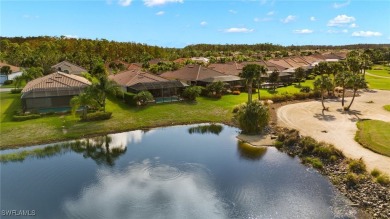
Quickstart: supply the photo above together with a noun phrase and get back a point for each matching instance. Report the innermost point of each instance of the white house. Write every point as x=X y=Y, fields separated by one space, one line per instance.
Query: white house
x=16 y=71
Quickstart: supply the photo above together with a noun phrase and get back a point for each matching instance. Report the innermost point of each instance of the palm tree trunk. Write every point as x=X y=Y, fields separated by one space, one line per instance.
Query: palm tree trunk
x=322 y=100
x=249 y=91
x=258 y=89
x=342 y=99
x=353 y=98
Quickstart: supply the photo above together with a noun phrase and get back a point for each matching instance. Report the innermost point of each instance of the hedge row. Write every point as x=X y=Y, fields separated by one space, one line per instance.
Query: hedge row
x=297 y=96
x=25 y=117
x=16 y=91
x=97 y=116
x=129 y=99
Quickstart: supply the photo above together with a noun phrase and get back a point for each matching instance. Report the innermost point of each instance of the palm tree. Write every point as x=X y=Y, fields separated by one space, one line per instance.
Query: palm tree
x=335 y=68
x=84 y=100
x=5 y=70
x=299 y=73
x=366 y=62
x=322 y=84
x=274 y=78
x=356 y=82
x=250 y=72
x=263 y=71
x=342 y=79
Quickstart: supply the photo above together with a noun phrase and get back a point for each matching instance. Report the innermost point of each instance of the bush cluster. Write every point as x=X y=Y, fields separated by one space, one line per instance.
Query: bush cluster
x=97 y=116
x=252 y=118
x=8 y=82
x=357 y=166
x=16 y=91
x=129 y=99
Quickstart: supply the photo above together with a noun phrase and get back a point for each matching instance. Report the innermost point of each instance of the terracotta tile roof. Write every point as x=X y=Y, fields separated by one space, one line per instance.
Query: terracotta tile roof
x=280 y=62
x=134 y=66
x=300 y=60
x=13 y=68
x=230 y=68
x=331 y=56
x=292 y=62
x=132 y=77
x=68 y=67
x=55 y=82
x=192 y=73
x=180 y=60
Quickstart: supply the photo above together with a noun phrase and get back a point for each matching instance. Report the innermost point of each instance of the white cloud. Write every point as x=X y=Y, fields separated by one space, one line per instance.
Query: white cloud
x=203 y=23
x=270 y=13
x=233 y=11
x=353 y=25
x=303 y=31
x=345 y=31
x=124 y=2
x=340 y=5
x=288 y=19
x=341 y=20
x=312 y=18
x=69 y=36
x=187 y=191
x=160 y=13
x=151 y=3
x=238 y=30
x=262 y=19
x=366 y=34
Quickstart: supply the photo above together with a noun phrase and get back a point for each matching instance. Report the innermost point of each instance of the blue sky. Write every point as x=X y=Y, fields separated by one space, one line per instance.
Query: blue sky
x=177 y=23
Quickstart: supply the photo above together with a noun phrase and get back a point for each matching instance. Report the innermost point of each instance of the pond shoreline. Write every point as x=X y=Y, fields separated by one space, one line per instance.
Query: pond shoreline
x=367 y=195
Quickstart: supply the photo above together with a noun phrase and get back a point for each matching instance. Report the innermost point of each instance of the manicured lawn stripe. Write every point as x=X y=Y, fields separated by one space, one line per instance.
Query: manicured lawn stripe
x=374 y=135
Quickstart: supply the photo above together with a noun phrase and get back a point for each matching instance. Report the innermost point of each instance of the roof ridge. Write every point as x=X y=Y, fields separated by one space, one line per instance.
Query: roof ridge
x=71 y=77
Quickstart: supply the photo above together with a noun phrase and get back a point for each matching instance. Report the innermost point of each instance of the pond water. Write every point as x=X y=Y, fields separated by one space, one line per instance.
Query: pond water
x=192 y=171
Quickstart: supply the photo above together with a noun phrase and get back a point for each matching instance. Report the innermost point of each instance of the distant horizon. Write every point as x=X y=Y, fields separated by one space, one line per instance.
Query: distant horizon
x=259 y=43
x=178 y=23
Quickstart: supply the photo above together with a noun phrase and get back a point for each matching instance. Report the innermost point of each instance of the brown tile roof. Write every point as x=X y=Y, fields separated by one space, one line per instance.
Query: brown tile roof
x=132 y=77
x=13 y=68
x=192 y=73
x=300 y=60
x=292 y=62
x=280 y=62
x=68 y=67
x=155 y=61
x=230 y=68
x=180 y=60
x=134 y=66
x=54 y=82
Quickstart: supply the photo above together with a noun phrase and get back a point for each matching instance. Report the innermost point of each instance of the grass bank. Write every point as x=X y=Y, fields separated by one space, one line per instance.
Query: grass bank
x=374 y=135
x=387 y=107
x=377 y=82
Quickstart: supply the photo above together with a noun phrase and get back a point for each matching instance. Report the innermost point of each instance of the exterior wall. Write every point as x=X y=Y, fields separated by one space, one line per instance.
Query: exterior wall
x=29 y=104
x=3 y=78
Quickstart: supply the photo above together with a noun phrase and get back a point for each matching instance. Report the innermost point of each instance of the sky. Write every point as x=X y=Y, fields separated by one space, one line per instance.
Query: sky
x=178 y=23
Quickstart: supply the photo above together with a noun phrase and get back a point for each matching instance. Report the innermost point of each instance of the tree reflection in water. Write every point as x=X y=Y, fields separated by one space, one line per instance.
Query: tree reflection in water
x=249 y=152
x=205 y=129
x=97 y=148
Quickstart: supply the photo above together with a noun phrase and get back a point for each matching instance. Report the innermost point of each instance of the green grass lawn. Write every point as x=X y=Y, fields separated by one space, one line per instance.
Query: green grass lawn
x=385 y=71
x=378 y=83
x=387 y=107
x=374 y=135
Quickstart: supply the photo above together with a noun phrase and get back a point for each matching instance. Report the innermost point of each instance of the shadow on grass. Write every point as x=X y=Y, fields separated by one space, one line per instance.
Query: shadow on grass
x=14 y=106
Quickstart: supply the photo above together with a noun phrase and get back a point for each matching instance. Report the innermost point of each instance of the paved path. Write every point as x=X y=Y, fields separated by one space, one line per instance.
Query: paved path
x=377 y=76
x=338 y=127
x=5 y=89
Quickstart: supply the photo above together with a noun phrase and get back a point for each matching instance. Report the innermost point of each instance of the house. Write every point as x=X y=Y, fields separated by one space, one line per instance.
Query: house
x=191 y=74
x=15 y=71
x=52 y=92
x=200 y=60
x=137 y=80
x=69 y=68
x=229 y=68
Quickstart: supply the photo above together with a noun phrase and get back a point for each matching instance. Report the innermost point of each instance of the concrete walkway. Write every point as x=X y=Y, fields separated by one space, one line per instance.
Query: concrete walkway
x=5 y=89
x=338 y=127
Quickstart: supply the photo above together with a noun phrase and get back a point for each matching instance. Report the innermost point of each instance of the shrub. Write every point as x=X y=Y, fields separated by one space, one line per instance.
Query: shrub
x=308 y=145
x=236 y=92
x=384 y=180
x=25 y=117
x=375 y=172
x=143 y=97
x=214 y=89
x=97 y=116
x=7 y=82
x=192 y=92
x=352 y=179
x=238 y=107
x=357 y=166
x=16 y=91
x=311 y=77
x=253 y=117
x=305 y=89
x=333 y=158
x=278 y=144
x=315 y=162
x=129 y=99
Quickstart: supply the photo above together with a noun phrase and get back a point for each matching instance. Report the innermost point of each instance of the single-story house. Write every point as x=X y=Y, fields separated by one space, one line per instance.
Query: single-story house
x=137 y=80
x=52 y=92
x=69 y=68
x=191 y=74
x=231 y=81
x=15 y=71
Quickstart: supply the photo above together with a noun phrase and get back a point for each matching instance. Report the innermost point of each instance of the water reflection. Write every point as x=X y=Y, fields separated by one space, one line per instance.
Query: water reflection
x=249 y=152
x=100 y=149
x=205 y=129
x=149 y=190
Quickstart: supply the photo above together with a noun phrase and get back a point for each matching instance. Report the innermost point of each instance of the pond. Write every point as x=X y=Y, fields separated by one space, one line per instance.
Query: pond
x=191 y=171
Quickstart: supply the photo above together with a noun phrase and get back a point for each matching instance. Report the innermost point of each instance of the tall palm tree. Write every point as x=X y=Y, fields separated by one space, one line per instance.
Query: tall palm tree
x=342 y=79
x=250 y=72
x=335 y=68
x=84 y=100
x=263 y=71
x=322 y=84
x=356 y=82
